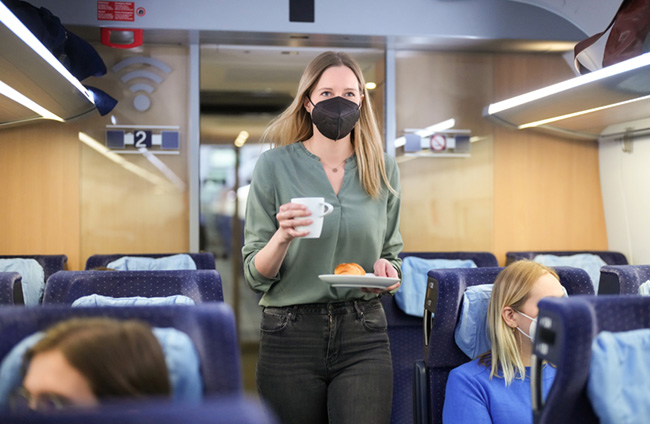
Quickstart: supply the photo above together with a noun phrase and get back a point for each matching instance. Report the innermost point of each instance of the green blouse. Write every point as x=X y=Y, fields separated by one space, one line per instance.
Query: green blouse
x=360 y=229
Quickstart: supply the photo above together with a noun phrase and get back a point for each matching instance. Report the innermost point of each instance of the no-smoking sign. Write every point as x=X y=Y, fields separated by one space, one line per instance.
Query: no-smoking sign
x=438 y=142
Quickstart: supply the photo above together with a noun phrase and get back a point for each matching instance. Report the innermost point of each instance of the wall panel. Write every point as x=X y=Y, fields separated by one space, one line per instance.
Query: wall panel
x=519 y=190
x=39 y=174
x=546 y=189
x=446 y=202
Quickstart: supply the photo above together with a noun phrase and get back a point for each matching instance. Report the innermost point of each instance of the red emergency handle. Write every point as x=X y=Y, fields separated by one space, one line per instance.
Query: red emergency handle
x=137 y=37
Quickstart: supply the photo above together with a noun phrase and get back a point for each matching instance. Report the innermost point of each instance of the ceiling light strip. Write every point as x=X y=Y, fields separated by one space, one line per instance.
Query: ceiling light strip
x=619 y=68
x=18 y=97
x=17 y=27
x=582 y=112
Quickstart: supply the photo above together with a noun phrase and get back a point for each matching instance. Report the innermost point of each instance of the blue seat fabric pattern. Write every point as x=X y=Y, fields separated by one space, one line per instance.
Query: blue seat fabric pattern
x=623 y=279
x=406 y=336
x=211 y=327
x=574 y=323
x=199 y=285
x=203 y=260
x=444 y=354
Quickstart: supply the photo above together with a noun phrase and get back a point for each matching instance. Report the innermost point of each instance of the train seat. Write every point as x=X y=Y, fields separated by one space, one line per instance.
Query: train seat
x=216 y=410
x=50 y=263
x=211 y=328
x=199 y=285
x=610 y=257
x=407 y=337
x=11 y=291
x=623 y=279
x=565 y=335
x=204 y=260
x=589 y=260
x=444 y=304
x=34 y=271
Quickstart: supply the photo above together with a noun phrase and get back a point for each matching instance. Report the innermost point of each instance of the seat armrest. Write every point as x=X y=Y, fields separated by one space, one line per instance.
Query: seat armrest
x=420 y=393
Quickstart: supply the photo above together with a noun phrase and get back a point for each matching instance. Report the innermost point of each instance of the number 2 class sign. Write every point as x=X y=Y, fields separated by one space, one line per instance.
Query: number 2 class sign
x=126 y=139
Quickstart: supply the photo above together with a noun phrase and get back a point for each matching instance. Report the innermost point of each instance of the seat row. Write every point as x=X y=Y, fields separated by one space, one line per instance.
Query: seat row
x=209 y=326
x=211 y=329
x=559 y=340
x=407 y=333
x=61 y=286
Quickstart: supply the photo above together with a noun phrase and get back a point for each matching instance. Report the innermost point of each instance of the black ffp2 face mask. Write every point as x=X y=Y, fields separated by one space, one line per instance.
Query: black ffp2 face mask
x=336 y=117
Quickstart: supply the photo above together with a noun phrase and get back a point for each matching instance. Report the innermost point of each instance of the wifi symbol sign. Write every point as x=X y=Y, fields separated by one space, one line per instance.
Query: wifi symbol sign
x=141 y=102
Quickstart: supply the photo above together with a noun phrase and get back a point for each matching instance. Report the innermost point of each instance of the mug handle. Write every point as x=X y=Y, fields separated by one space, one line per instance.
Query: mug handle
x=328 y=209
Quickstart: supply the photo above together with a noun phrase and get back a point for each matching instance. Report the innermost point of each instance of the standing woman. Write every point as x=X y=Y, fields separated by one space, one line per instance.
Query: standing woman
x=324 y=352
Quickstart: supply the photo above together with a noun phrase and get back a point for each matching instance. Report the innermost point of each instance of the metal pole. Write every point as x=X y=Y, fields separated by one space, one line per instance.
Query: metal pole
x=236 y=246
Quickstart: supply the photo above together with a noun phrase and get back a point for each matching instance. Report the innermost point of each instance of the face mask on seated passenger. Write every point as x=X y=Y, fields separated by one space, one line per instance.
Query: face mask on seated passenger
x=336 y=117
x=531 y=329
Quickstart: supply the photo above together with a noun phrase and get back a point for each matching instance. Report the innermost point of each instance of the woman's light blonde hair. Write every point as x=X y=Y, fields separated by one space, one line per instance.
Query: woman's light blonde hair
x=294 y=124
x=512 y=288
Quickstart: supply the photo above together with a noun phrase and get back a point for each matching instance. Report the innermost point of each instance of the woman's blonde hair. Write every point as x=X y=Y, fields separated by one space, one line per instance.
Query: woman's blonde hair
x=512 y=288
x=294 y=124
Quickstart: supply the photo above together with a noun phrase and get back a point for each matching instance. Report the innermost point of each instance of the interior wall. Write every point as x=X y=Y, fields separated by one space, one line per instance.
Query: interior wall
x=142 y=207
x=547 y=189
x=63 y=197
x=447 y=203
x=626 y=194
x=519 y=190
x=39 y=170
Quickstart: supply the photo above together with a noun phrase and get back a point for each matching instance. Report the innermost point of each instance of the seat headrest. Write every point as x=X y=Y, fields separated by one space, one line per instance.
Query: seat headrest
x=180 y=353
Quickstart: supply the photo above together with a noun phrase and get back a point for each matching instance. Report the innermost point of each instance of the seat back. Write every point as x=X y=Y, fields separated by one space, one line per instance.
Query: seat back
x=210 y=326
x=11 y=290
x=199 y=285
x=218 y=410
x=610 y=257
x=623 y=279
x=50 y=263
x=406 y=336
x=574 y=280
x=204 y=260
x=447 y=288
x=566 y=329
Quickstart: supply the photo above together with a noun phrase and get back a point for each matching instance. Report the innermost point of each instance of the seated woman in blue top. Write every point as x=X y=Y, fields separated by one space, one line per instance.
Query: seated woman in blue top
x=495 y=387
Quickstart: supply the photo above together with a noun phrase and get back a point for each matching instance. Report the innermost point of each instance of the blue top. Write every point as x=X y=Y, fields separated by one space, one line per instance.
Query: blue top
x=471 y=397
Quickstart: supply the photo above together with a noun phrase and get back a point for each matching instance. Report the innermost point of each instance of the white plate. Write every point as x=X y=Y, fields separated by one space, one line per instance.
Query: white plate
x=358 y=281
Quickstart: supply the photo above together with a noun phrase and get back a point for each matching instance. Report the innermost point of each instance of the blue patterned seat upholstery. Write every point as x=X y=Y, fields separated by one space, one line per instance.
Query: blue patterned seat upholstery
x=203 y=260
x=210 y=326
x=217 y=410
x=623 y=279
x=566 y=329
x=50 y=263
x=444 y=302
x=406 y=336
x=11 y=292
x=610 y=257
x=199 y=285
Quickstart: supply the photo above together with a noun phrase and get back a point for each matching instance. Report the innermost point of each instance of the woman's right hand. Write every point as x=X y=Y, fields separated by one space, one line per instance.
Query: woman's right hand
x=289 y=217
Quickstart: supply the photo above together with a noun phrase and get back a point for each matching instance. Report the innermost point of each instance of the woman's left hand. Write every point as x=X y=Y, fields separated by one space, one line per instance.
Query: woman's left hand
x=383 y=268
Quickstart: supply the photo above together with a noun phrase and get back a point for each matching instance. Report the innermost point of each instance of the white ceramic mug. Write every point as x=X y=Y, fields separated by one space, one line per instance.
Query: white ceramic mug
x=319 y=208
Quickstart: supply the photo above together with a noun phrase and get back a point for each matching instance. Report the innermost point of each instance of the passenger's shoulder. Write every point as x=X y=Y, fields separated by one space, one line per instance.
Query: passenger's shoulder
x=471 y=369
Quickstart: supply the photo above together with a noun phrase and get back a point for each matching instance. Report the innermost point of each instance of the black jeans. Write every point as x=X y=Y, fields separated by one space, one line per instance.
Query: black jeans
x=326 y=363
